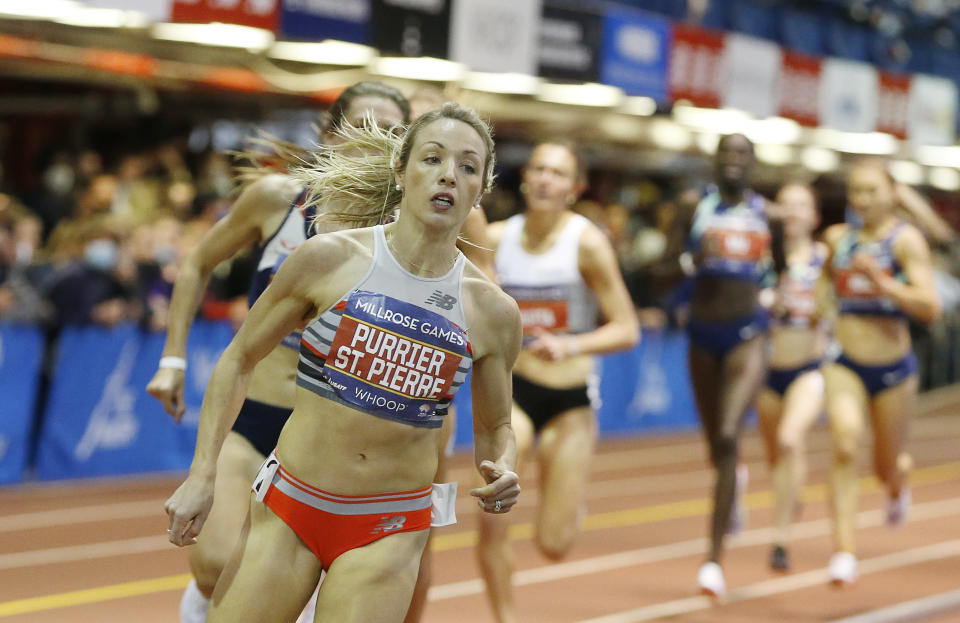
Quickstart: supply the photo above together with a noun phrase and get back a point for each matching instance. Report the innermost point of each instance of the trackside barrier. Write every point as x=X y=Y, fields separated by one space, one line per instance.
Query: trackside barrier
x=100 y=420
x=21 y=353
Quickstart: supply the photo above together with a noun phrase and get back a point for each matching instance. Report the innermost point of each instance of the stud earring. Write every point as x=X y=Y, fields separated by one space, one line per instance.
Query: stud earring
x=398 y=186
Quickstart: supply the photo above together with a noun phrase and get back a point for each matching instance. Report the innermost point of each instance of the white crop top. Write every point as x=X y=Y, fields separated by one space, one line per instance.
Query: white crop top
x=394 y=346
x=548 y=287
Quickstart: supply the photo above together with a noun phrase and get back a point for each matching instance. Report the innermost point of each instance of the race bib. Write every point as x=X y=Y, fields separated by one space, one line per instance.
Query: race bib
x=545 y=307
x=390 y=356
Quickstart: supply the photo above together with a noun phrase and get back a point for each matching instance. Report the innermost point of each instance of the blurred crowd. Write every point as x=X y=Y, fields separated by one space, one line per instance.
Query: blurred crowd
x=100 y=243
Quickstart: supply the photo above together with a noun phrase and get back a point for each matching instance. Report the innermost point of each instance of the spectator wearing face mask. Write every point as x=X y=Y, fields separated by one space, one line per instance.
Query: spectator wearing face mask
x=20 y=299
x=96 y=286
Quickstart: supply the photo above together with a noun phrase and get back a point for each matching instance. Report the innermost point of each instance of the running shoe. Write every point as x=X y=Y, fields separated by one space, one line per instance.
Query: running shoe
x=897 y=507
x=843 y=569
x=779 y=560
x=738 y=512
x=710 y=579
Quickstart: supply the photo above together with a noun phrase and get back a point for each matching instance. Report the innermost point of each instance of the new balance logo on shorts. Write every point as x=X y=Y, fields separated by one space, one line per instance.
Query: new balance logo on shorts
x=387 y=524
x=441 y=300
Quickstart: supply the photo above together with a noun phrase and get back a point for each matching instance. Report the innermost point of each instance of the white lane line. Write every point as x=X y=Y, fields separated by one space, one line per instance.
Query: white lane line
x=927 y=553
x=680 y=549
x=915 y=610
x=73 y=553
x=81 y=514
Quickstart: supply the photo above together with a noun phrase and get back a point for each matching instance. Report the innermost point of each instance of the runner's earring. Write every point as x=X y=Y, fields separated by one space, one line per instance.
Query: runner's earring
x=398 y=187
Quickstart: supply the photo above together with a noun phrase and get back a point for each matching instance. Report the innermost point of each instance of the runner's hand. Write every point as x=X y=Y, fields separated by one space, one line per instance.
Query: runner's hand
x=188 y=509
x=503 y=486
x=167 y=387
x=549 y=346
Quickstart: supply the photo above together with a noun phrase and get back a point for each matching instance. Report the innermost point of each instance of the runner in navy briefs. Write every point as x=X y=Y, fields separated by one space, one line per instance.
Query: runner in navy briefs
x=792 y=396
x=880 y=275
x=730 y=253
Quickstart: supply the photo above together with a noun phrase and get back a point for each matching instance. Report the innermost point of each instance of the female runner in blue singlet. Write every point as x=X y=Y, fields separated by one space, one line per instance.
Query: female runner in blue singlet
x=395 y=319
x=792 y=396
x=729 y=249
x=881 y=275
x=561 y=269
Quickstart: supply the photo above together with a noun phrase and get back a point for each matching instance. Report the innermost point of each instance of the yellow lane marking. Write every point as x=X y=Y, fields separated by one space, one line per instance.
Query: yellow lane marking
x=94 y=595
x=444 y=542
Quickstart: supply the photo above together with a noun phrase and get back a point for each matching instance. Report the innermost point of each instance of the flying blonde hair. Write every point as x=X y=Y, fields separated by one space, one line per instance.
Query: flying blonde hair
x=357 y=174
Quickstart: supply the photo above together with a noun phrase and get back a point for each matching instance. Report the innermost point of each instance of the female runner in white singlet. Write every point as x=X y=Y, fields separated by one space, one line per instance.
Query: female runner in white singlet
x=559 y=267
x=270 y=214
x=395 y=319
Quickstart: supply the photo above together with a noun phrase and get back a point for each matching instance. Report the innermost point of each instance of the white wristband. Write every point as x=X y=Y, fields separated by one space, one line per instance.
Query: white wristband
x=177 y=363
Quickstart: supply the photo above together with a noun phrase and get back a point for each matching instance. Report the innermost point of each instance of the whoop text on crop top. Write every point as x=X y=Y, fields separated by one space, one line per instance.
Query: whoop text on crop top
x=731 y=242
x=292 y=232
x=548 y=287
x=856 y=294
x=394 y=346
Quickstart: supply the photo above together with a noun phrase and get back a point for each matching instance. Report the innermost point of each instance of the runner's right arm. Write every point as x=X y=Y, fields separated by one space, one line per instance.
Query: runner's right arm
x=239 y=229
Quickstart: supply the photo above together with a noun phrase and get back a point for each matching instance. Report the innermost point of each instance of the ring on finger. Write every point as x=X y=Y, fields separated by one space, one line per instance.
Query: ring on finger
x=497 y=506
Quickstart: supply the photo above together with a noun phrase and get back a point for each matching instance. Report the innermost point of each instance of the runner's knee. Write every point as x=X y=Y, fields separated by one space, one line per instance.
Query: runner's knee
x=723 y=449
x=207 y=565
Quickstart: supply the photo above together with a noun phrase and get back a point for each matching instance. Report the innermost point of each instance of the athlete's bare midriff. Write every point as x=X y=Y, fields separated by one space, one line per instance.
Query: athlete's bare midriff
x=791 y=347
x=873 y=340
x=343 y=450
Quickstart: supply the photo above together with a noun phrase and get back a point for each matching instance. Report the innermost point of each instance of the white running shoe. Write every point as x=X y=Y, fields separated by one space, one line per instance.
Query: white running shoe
x=843 y=569
x=710 y=579
x=738 y=512
x=897 y=507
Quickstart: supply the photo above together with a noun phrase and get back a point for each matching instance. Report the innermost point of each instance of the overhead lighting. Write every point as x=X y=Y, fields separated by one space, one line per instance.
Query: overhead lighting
x=906 y=172
x=774 y=154
x=669 y=135
x=103 y=18
x=641 y=106
x=772 y=130
x=216 y=34
x=421 y=68
x=945 y=178
x=37 y=9
x=587 y=94
x=621 y=127
x=707 y=142
x=874 y=143
x=938 y=156
x=719 y=120
x=329 y=52
x=820 y=159
x=507 y=83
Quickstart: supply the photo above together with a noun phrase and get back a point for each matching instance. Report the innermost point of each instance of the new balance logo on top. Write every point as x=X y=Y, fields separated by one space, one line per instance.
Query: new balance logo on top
x=441 y=300
x=388 y=524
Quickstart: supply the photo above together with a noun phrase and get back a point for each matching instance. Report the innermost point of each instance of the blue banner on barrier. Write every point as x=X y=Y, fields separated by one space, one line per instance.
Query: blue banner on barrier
x=21 y=353
x=99 y=418
x=646 y=388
